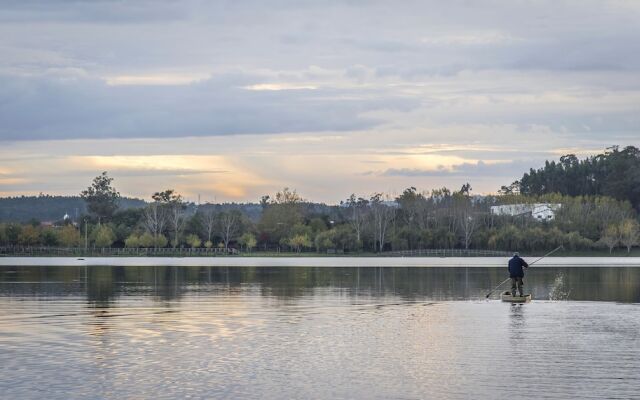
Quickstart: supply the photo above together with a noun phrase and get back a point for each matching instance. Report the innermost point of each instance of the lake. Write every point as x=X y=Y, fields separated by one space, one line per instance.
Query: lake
x=325 y=333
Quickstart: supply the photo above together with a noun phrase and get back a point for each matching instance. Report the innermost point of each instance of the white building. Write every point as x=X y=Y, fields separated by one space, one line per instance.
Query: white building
x=538 y=211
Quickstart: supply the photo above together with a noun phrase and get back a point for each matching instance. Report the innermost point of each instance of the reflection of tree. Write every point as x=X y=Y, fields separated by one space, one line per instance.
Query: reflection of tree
x=101 y=285
x=168 y=283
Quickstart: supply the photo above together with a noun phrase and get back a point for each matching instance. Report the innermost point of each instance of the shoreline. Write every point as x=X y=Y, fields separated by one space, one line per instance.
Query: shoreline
x=400 y=262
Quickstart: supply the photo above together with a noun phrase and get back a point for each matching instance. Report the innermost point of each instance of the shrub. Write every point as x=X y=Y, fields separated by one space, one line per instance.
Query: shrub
x=133 y=241
x=248 y=240
x=69 y=236
x=193 y=240
x=29 y=236
x=103 y=236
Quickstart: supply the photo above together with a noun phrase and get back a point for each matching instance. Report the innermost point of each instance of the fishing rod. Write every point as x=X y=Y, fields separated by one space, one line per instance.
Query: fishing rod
x=506 y=280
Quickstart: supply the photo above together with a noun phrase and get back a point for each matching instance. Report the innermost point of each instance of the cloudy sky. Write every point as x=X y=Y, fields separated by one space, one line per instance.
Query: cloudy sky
x=234 y=99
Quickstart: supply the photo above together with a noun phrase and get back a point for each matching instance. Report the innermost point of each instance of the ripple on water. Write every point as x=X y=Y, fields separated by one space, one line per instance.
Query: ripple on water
x=323 y=345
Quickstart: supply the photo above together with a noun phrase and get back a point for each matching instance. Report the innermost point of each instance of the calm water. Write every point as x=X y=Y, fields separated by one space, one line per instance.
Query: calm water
x=337 y=333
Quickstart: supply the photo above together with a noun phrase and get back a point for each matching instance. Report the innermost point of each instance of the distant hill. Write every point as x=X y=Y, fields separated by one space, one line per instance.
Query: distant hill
x=49 y=208
x=53 y=208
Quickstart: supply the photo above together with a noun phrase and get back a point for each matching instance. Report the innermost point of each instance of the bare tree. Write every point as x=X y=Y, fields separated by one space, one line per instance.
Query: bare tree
x=464 y=217
x=209 y=220
x=177 y=220
x=357 y=214
x=467 y=224
x=629 y=233
x=228 y=226
x=381 y=215
x=425 y=211
x=155 y=218
x=610 y=237
x=175 y=210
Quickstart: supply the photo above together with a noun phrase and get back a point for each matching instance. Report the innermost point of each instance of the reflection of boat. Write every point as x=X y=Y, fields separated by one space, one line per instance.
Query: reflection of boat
x=506 y=296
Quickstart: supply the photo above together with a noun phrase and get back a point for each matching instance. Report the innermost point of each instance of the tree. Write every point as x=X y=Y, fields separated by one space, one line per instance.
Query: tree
x=357 y=214
x=69 y=236
x=49 y=237
x=101 y=198
x=280 y=216
x=325 y=240
x=209 y=221
x=247 y=240
x=149 y=240
x=345 y=238
x=29 y=236
x=299 y=241
x=3 y=234
x=287 y=196
x=12 y=233
x=629 y=233
x=513 y=188
x=381 y=217
x=155 y=219
x=193 y=240
x=610 y=237
x=264 y=201
x=464 y=216
x=228 y=226
x=133 y=241
x=175 y=211
x=614 y=173
x=103 y=236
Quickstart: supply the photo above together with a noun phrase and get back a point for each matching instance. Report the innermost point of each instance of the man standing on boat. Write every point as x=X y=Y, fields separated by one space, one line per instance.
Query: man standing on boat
x=517 y=273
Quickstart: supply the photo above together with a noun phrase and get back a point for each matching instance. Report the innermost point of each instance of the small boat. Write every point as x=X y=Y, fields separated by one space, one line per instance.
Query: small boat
x=506 y=296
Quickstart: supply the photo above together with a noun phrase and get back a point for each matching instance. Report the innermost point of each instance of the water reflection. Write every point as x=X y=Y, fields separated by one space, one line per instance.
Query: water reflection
x=101 y=285
x=273 y=333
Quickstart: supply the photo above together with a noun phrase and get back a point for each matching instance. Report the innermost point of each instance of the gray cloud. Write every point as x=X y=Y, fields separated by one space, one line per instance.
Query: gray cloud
x=41 y=108
x=99 y=11
x=470 y=170
x=531 y=76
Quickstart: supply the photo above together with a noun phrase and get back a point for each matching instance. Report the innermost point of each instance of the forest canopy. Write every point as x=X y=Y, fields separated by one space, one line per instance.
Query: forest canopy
x=614 y=173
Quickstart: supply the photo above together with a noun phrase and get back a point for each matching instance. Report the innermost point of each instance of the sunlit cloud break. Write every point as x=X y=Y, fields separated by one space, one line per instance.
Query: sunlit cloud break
x=155 y=79
x=280 y=86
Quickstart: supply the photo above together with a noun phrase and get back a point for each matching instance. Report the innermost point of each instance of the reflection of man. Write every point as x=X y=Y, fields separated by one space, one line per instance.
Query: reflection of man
x=517 y=273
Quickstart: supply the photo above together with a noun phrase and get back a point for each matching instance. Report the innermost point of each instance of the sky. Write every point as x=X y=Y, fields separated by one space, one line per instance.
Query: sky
x=231 y=100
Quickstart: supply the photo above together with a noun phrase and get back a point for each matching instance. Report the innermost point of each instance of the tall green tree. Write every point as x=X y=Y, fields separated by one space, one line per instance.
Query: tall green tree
x=280 y=216
x=175 y=211
x=101 y=197
x=614 y=173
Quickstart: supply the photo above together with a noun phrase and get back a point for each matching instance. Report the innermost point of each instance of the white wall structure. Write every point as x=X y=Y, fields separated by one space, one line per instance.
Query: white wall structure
x=537 y=211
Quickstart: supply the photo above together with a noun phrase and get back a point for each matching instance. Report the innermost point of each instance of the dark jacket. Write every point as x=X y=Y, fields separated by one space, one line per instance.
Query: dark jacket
x=515 y=267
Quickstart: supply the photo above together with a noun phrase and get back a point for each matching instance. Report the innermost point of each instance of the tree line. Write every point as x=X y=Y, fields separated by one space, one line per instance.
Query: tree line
x=614 y=173
x=440 y=218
